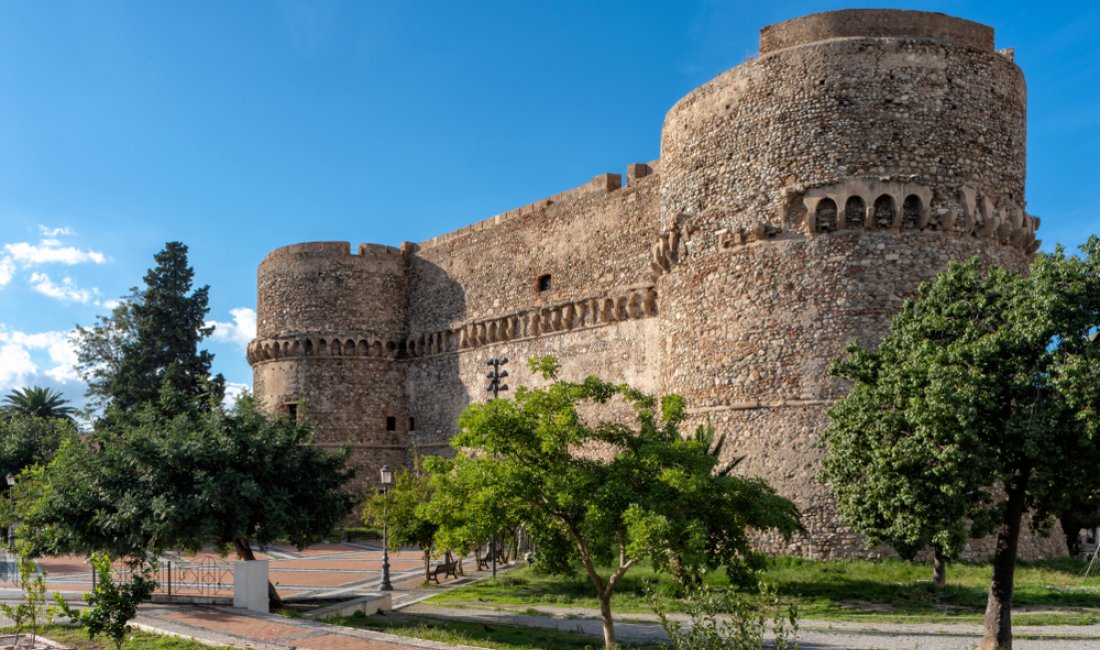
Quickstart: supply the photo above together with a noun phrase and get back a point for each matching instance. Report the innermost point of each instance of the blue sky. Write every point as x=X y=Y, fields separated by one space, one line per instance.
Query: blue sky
x=239 y=127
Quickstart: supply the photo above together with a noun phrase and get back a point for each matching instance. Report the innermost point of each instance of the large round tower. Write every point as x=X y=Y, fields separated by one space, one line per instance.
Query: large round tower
x=805 y=194
x=329 y=331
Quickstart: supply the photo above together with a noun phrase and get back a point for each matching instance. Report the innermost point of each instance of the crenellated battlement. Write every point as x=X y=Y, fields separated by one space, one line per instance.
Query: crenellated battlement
x=367 y=254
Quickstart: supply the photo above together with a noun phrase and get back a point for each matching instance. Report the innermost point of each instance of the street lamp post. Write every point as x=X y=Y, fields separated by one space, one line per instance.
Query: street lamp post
x=10 y=478
x=387 y=481
x=494 y=377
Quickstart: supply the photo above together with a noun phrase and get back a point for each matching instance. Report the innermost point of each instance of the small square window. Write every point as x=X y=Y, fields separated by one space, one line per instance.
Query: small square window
x=544 y=282
x=391 y=423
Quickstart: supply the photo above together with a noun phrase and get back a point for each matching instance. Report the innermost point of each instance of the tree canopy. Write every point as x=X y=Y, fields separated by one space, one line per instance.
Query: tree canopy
x=608 y=493
x=27 y=440
x=222 y=478
x=38 y=401
x=400 y=509
x=979 y=404
x=150 y=341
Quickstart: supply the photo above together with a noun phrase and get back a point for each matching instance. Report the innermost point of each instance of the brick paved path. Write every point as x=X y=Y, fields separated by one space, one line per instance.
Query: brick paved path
x=320 y=571
x=226 y=626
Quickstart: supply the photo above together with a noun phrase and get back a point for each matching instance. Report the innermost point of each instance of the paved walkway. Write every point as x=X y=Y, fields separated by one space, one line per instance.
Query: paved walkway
x=324 y=571
x=232 y=627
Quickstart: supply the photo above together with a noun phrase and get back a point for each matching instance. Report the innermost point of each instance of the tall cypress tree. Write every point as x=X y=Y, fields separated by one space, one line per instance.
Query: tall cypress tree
x=155 y=356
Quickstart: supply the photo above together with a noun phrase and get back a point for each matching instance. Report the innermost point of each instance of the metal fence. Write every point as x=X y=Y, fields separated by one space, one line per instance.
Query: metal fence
x=9 y=570
x=207 y=577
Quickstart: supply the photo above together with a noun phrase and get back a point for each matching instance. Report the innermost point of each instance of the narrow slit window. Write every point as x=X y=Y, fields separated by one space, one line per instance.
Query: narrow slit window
x=292 y=412
x=391 y=423
x=412 y=424
x=544 y=282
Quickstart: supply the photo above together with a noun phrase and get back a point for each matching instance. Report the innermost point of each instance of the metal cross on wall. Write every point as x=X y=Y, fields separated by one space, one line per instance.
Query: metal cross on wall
x=496 y=374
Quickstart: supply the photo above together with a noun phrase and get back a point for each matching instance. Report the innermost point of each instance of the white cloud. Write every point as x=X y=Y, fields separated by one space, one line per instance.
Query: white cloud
x=240 y=331
x=55 y=232
x=233 y=392
x=18 y=367
x=67 y=290
x=50 y=251
x=7 y=270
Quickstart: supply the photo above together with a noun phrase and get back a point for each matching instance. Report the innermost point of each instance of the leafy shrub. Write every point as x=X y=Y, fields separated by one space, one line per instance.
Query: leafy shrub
x=728 y=620
x=112 y=605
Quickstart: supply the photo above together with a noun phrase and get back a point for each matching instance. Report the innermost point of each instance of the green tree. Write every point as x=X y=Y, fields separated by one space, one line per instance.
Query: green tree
x=606 y=493
x=31 y=612
x=467 y=510
x=99 y=349
x=980 y=403
x=151 y=342
x=223 y=478
x=27 y=440
x=400 y=508
x=30 y=440
x=39 y=402
x=112 y=605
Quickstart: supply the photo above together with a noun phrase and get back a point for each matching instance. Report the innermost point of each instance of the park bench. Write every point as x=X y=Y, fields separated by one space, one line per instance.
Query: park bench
x=485 y=561
x=446 y=568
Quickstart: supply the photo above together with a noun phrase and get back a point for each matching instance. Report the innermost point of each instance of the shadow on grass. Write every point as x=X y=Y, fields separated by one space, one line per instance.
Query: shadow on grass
x=501 y=637
x=824 y=588
x=906 y=588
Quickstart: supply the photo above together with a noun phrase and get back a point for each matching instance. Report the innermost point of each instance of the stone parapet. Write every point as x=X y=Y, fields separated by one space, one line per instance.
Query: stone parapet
x=875 y=23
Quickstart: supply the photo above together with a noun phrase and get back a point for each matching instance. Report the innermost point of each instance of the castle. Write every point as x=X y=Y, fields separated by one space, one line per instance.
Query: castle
x=798 y=199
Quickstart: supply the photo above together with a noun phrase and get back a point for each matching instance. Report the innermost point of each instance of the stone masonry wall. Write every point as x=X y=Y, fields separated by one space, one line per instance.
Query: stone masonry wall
x=799 y=199
x=329 y=329
x=475 y=294
x=813 y=189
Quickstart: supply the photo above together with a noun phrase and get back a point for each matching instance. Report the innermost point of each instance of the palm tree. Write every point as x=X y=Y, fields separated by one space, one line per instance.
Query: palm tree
x=39 y=402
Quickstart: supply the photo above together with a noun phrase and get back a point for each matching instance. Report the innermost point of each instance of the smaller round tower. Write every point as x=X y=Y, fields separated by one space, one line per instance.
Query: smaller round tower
x=329 y=331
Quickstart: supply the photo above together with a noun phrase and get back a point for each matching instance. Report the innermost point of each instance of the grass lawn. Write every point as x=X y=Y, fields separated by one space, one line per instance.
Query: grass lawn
x=890 y=590
x=500 y=637
x=76 y=637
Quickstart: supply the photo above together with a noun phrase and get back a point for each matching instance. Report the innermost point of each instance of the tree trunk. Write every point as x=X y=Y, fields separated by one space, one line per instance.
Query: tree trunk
x=1073 y=536
x=608 y=624
x=427 y=564
x=939 y=567
x=244 y=551
x=998 y=609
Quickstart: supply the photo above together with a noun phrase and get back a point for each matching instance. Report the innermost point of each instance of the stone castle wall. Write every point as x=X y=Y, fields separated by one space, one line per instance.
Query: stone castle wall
x=799 y=198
